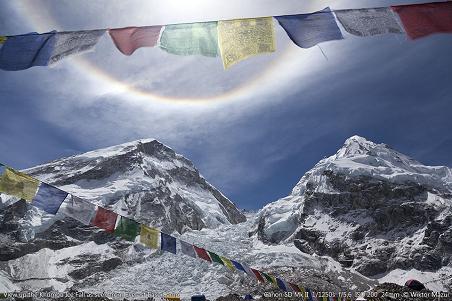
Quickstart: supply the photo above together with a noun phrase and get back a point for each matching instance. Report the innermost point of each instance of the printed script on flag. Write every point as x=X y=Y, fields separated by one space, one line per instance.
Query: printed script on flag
x=242 y=38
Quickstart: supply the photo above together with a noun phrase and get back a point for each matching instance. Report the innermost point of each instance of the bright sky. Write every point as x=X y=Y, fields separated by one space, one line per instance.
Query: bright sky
x=253 y=130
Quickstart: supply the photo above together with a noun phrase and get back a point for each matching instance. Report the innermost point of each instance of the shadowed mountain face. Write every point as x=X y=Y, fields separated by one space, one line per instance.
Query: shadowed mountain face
x=368 y=207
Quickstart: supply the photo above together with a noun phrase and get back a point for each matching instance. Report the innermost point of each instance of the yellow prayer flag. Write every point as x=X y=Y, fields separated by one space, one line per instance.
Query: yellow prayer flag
x=243 y=38
x=303 y=291
x=274 y=282
x=18 y=184
x=227 y=263
x=3 y=39
x=149 y=237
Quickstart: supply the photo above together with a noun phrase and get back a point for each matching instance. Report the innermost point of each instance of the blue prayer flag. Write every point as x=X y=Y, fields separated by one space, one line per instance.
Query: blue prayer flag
x=168 y=243
x=25 y=51
x=281 y=284
x=307 y=30
x=310 y=295
x=238 y=266
x=49 y=198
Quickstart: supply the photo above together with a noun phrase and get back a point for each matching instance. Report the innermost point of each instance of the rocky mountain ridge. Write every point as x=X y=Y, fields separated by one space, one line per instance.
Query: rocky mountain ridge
x=369 y=207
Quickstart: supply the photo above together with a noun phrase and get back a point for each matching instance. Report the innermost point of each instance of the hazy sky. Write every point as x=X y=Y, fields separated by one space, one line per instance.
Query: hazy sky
x=253 y=130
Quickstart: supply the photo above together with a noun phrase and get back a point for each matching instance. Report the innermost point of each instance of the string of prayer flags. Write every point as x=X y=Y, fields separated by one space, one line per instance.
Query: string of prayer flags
x=369 y=21
x=129 y=39
x=53 y=200
x=215 y=258
x=191 y=39
x=69 y=43
x=78 y=209
x=168 y=243
x=227 y=263
x=187 y=249
x=308 y=30
x=149 y=237
x=243 y=38
x=18 y=184
x=127 y=228
x=202 y=254
x=49 y=198
x=105 y=219
x=420 y=20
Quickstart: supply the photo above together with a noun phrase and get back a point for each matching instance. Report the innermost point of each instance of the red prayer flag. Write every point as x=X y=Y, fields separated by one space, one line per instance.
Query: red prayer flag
x=295 y=287
x=420 y=20
x=105 y=219
x=258 y=275
x=202 y=254
x=129 y=39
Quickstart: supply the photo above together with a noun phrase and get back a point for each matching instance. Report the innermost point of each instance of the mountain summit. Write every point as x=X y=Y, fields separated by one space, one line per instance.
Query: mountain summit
x=369 y=207
x=144 y=180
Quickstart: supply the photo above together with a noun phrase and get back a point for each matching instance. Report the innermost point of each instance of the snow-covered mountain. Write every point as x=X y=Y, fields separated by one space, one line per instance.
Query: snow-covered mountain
x=144 y=180
x=371 y=208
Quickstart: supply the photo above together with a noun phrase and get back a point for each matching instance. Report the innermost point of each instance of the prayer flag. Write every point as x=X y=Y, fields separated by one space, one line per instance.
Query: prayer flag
x=202 y=254
x=295 y=287
x=2 y=41
x=420 y=20
x=127 y=228
x=168 y=243
x=268 y=277
x=303 y=292
x=79 y=209
x=368 y=21
x=49 y=198
x=18 y=184
x=281 y=284
x=310 y=295
x=149 y=237
x=187 y=249
x=69 y=43
x=243 y=38
x=215 y=258
x=25 y=51
x=308 y=30
x=129 y=39
x=227 y=263
x=248 y=270
x=191 y=39
x=105 y=219
x=257 y=274
x=238 y=266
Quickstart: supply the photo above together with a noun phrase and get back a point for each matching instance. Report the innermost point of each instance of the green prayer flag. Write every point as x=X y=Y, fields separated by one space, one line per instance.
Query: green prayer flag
x=268 y=277
x=215 y=258
x=18 y=184
x=127 y=228
x=191 y=39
